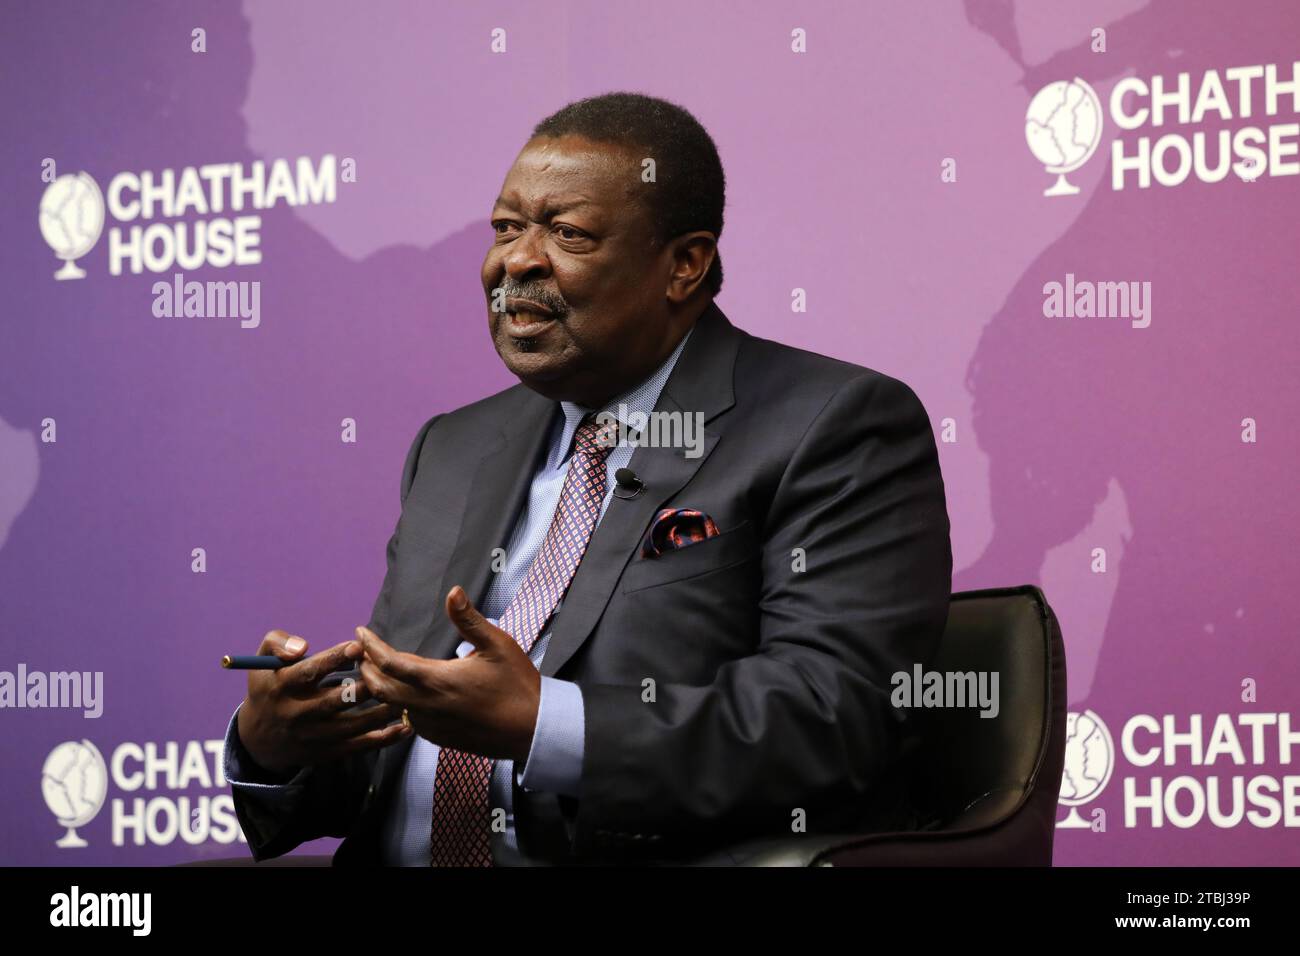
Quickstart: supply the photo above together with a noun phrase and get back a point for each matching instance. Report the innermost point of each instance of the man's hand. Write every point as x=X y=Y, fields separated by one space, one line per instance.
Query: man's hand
x=287 y=722
x=484 y=703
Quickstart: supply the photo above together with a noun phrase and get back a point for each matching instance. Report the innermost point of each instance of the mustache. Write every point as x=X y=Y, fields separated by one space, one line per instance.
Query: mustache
x=510 y=289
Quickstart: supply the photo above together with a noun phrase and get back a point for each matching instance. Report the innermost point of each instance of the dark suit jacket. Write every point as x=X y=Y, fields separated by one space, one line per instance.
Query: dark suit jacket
x=771 y=684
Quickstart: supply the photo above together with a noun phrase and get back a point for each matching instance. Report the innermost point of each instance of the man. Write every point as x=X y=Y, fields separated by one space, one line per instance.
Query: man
x=592 y=646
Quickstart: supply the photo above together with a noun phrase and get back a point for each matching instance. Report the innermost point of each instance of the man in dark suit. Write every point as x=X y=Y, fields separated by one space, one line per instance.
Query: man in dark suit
x=684 y=642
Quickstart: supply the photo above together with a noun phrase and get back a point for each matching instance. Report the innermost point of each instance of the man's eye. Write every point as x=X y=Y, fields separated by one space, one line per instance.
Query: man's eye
x=501 y=225
x=568 y=232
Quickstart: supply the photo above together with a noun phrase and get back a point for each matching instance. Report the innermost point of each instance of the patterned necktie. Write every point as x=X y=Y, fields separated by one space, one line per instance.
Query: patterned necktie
x=462 y=819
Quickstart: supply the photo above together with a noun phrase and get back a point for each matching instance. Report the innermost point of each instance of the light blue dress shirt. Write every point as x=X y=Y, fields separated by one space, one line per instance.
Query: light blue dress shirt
x=555 y=759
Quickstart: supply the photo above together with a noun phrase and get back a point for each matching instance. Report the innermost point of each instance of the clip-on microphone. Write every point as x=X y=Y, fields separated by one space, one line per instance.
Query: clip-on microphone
x=627 y=485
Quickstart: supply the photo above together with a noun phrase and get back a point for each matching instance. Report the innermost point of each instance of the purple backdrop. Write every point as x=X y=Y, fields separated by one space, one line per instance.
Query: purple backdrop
x=884 y=170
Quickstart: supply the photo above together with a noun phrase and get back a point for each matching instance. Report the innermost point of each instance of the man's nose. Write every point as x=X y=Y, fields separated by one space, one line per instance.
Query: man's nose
x=527 y=255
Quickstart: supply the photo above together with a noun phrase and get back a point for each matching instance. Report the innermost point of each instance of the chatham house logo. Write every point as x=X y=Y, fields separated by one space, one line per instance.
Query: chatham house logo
x=1089 y=760
x=1063 y=128
x=72 y=217
x=74 y=782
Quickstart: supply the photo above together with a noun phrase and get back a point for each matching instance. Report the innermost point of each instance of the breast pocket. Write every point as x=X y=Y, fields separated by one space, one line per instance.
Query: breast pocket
x=712 y=554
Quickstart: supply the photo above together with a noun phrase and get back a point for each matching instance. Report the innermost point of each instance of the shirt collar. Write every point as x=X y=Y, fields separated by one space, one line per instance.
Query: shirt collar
x=641 y=399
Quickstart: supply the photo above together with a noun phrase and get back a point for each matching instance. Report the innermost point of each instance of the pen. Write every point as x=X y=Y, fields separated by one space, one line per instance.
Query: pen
x=267 y=662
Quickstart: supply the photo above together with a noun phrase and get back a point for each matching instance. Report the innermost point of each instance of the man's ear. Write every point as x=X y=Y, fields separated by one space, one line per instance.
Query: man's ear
x=692 y=255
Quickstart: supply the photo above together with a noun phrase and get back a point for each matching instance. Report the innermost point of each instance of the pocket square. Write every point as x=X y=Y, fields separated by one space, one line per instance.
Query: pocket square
x=675 y=528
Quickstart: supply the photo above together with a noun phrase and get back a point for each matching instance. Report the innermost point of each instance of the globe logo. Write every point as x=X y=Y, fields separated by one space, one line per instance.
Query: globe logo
x=74 y=782
x=72 y=217
x=1089 y=759
x=1063 y=128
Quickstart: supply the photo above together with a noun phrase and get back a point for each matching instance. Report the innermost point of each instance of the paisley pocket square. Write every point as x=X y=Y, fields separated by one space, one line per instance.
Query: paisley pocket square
x=675 y=528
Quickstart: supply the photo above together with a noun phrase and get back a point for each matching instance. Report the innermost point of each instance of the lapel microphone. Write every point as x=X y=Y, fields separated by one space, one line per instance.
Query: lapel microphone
x=627 y=484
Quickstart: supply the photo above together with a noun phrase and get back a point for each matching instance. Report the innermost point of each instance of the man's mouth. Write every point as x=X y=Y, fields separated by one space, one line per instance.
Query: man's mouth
x=526 y=318
x=514 y=304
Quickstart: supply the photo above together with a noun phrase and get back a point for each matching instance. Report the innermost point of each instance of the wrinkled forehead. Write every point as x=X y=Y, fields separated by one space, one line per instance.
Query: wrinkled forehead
x=571 y=168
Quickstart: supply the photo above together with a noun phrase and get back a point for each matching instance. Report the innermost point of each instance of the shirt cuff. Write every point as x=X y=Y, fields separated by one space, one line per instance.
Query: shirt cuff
x=554 y=761
x=242 y=771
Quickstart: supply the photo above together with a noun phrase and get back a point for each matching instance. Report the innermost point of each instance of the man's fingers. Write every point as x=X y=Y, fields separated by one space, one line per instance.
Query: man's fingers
x=321 y=725
x=334 y=698
x=383 y=737
x=394 y=663
x=344 y=695
x=282 y=644
x=363 y=719
x=317 y=666
x=388 y=689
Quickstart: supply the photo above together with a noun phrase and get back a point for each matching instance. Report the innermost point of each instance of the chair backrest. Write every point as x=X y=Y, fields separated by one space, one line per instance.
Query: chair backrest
x=983 y=789
x=971 y=771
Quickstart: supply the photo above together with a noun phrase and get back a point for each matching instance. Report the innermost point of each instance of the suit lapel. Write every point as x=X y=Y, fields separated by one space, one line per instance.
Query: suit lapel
x=501 y=481
x=497 y=494
x=701 y=381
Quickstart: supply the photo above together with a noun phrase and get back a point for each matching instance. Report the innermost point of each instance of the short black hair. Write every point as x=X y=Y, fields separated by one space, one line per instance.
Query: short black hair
x=688 y=173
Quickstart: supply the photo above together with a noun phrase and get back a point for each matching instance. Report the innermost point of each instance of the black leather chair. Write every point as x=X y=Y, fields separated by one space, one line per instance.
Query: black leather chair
x=987 y=788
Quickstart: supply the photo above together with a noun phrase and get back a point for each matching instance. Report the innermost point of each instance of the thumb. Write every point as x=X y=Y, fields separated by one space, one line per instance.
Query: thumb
x=287 y=647
x=472 y=625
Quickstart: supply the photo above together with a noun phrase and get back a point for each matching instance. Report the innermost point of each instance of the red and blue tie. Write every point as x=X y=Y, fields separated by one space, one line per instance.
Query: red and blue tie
x=462 y=818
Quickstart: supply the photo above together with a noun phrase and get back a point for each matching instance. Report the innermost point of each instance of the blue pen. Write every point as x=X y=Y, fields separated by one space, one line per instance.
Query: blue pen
x=268 y=662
